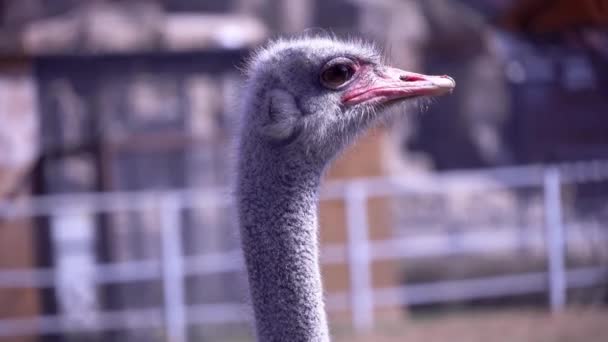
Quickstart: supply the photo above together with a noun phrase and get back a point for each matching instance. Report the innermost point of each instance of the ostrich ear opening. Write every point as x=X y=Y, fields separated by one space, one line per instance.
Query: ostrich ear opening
x=282 y=116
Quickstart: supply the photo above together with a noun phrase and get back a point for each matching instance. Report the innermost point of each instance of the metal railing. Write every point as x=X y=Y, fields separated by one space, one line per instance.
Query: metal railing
x=359 y=251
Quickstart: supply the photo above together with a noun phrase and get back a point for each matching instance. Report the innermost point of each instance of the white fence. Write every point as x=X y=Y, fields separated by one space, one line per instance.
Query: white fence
x=358 y=253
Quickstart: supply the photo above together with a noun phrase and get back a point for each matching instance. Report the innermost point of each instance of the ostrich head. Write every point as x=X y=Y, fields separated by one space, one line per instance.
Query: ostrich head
x=304 y=100
x=315 y=95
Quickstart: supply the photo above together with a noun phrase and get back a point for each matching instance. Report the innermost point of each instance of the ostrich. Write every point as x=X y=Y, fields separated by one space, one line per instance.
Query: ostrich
x=305 y=99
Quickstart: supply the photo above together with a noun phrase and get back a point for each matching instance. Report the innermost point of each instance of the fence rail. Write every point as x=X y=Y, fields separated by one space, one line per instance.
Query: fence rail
x=359 y=252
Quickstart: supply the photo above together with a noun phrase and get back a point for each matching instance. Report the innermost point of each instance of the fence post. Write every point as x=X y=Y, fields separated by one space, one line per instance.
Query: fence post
x=555 y=239
x=361 y=288
x=173 y=269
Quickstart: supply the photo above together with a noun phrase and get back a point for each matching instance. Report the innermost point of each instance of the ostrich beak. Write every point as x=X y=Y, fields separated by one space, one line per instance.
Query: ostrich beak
x=392 y=84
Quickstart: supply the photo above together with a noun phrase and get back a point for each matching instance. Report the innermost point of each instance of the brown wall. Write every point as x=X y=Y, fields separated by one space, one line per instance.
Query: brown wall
x=17 y=241
x=364 y=159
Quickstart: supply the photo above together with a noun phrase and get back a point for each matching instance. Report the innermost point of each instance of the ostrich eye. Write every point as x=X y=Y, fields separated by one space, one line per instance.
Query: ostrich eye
x=337 y=74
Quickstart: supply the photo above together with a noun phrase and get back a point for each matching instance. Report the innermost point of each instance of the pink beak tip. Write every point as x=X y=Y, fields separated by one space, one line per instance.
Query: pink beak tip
x=445 y=81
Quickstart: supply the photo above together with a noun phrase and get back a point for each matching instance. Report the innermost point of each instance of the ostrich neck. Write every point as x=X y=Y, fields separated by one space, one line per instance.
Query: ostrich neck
x=278 y=217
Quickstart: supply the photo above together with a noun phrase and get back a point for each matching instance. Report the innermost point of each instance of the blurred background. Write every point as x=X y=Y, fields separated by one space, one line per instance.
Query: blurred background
x=483 y=216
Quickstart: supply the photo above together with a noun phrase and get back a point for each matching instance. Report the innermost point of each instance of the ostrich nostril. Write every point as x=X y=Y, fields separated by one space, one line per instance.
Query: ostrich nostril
x=410 y=78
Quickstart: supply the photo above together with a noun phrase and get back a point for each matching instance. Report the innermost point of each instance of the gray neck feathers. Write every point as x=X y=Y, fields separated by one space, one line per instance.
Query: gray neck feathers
x=277 y=199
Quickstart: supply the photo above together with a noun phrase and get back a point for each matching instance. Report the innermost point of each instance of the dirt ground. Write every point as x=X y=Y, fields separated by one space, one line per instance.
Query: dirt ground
x=574 y=325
